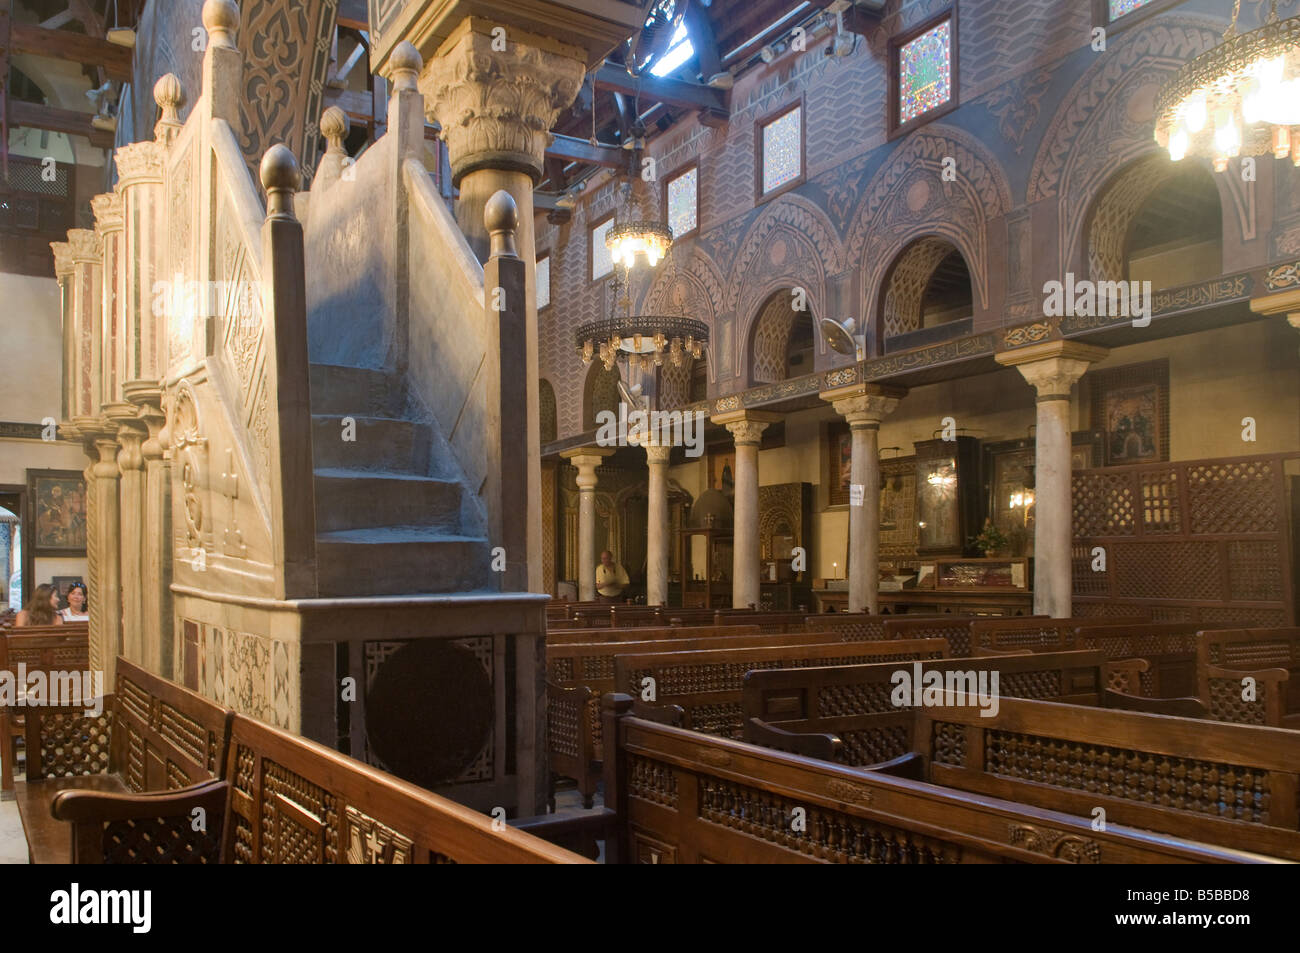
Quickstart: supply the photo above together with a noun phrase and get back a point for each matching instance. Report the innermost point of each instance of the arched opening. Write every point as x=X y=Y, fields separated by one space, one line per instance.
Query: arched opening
x=1176 y=237
x=546 y=411
x=928 y=296
x=600 y=393
x=781 y=344
x=1156 y=221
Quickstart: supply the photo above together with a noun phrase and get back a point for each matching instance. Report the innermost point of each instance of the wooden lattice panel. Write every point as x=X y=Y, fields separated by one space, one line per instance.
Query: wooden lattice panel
x=1196 y=541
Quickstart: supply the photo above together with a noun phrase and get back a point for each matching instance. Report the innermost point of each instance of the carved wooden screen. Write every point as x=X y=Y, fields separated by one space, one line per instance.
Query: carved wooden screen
x=1202 y=541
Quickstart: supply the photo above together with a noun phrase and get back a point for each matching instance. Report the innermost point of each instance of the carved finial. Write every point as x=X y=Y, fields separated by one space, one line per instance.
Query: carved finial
x=501 y=216
x=221 y=20
x=404 y=65
x=169 y=96
x=334 y=127
x=281 y=179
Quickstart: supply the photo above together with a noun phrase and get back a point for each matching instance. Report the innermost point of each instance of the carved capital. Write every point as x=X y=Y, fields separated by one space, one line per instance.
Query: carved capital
x=85 y=245
x=62 y=258
x=106 y=468
x=130 y=437
x=139 y=162
x=657 y=454
x=746 y=426
x=496 y=106
x=865 y=410
x=108 y=212
x=1053 y=366
x=586 y=460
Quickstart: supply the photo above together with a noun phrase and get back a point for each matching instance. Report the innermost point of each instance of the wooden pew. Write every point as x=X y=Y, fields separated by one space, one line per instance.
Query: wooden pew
x=682 y=798
x=1226 y=784
x=766 y=621
x=990 y=636
x=1168 y=647
x=152 y=736
x=1270 y=656
x=288 y=800
x=45 y=648
x=855 y=703
x=954 y=628
x=646 y=633
x=709 y=684
x=579 y=673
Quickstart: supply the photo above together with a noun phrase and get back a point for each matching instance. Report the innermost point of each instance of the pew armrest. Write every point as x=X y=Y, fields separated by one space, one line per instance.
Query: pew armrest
x=1188 y=707
x=178 y=827
x=672 y=715
x=824 y=747
x=910 y=765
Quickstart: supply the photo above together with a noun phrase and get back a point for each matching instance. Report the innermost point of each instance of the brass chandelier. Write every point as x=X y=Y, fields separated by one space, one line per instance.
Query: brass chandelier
x=644 y=338
x=1240 y=98
x=637 y=229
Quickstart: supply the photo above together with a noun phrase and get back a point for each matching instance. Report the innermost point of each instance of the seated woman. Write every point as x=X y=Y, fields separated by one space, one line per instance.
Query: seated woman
x=42 y=608
x=78 y=607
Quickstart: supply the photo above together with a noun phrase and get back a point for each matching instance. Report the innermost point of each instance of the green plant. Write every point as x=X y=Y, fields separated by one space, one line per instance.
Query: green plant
x=990 y=539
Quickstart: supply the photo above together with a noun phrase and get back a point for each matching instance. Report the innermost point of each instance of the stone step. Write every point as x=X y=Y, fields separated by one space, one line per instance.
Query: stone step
x=358 y=499
x=356 y=391
x=381 y=444
x=400 y=560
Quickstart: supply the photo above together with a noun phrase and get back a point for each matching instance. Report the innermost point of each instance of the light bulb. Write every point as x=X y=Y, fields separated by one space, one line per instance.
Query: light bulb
x=1195 y=112
x=1252 y=100
x=1227 y=134
x=1281 y=142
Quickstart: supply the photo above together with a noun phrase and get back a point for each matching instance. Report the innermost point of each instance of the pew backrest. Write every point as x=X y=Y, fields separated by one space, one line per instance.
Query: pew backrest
x=1247 y=649
x=1170 y=647
x=295 y=801
x=647 y=633
x=1216 y=783
x=709 y=684
x=686 y=798
x=1033 y=634
x=954 y=628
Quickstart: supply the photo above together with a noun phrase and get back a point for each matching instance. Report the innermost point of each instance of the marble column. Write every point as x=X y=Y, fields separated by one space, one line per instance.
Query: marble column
x=657 y=530
x=131 y=434
x=1052 y=368
x=864 y=407
x=586 y=460
x=108 y=585
x=746 y=427
x=155 y=558
x=495 y=108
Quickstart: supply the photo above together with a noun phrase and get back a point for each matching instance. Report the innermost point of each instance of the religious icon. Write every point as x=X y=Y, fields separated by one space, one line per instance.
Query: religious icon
x=58 y=512
x=1133 y=425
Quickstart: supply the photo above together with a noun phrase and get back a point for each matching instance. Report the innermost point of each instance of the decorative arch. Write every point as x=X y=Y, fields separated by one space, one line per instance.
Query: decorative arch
x=770 y=336
x=904 y=292
x=599 y=393
x=546 y=411
x=1104 y=123
x=909 y=199
x=790 y=244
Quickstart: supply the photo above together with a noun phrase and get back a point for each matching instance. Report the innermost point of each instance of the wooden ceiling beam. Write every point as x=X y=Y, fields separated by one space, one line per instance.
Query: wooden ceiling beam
x=66 y=45
x=53 y=119
x=581 y=150
x=674 y=92
x=703 y=40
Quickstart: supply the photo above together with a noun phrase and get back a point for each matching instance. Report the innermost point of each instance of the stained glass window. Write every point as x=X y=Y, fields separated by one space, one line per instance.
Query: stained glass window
x=783 y=150
x=1120 y=7
x=681 y=202
x=602 y=262
x=925 y=72
x=543 y=282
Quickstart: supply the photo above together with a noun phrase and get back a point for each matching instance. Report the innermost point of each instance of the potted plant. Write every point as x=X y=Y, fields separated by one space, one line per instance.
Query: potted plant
x=991 y=541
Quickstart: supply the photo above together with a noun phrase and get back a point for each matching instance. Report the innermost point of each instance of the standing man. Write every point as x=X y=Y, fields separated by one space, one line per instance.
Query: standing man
x=610 y=578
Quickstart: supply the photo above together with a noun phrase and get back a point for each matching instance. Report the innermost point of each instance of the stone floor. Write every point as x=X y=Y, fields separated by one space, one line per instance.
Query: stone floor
x=13 y=846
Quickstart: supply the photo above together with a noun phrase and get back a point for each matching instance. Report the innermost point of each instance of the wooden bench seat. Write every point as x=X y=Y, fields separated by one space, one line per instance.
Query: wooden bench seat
x=1270 y=656
x=152 y=736
x=990 y=636
x=681 y=797
x=44 y=648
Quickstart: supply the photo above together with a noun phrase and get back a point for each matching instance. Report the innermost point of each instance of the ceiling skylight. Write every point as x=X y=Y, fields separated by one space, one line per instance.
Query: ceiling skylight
x=679 y=51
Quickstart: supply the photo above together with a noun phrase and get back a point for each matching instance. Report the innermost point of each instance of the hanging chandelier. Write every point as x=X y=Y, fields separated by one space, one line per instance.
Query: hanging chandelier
x=1240 y=98
x=644 y=339
x=637 y=229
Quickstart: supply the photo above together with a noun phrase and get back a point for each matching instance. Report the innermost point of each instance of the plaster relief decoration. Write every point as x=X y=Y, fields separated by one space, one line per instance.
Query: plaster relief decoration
x=285 y=46
x=908 y=199
x=1105 y=121
x=190 y=464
